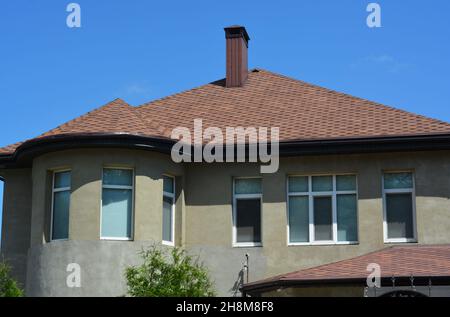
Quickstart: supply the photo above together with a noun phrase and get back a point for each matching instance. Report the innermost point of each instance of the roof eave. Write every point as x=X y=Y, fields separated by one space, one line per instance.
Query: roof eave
x=356 y=145
x=30 y=149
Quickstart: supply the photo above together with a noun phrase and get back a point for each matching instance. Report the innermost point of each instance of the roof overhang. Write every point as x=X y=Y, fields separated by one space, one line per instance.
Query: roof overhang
x=30 y=149
x=27 y=151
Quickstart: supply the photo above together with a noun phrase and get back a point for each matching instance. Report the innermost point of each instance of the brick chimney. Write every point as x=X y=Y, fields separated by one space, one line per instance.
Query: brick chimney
x=237 y=60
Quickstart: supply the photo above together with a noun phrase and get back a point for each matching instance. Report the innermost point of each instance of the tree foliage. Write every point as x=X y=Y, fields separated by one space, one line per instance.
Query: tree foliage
x=166 y=273
x=8 y=286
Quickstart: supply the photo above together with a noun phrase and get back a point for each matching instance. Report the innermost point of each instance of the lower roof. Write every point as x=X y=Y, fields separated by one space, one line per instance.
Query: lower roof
x=418 y=261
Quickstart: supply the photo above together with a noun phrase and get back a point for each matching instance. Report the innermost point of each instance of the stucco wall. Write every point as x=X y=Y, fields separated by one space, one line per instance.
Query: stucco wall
x=86 y=166
x=209 y=208
x=204 y=213
x=16 y=221
x=48 y=260
x=102 y=265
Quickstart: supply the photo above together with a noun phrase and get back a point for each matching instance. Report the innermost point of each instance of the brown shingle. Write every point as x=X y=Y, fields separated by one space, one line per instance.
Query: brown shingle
x=396 y=261
x=302 y=112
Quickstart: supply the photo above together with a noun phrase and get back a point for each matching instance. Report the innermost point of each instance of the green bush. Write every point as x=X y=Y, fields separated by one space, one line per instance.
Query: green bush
x=168 y=274
x=8 y=286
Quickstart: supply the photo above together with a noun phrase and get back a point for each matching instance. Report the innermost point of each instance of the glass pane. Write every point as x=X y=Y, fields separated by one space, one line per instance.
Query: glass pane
x=399 y=215
x=116 y=213
x=322 y=183
x=60 y=226
x=117 y=177
x=247 y=186
x=323 y=219
x=298 y=184
x=347 y=222
x=248 y=220
x=398 y=180
x=299 y=219
x=62 y=179
x=167 y=219
x=346 y=182
x=168 y=184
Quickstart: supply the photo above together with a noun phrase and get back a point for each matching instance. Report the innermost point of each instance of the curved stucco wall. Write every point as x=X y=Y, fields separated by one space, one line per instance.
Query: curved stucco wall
x=102 y=262
x=86 y=170
x=102 y=267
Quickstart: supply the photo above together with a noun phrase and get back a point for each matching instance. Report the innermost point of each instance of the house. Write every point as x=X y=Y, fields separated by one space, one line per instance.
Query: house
x=355 y=177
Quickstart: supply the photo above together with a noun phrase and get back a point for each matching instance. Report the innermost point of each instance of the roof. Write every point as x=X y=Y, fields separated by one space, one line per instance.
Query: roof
x=302 y=111
x=396 y=261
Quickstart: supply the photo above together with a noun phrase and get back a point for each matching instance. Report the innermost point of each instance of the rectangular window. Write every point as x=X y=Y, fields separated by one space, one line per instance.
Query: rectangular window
x=168 y=216
x=399 y=207
x=117 y=204
x=322 y=209
x=323 y=218
x=247 y=212
x=60 y=205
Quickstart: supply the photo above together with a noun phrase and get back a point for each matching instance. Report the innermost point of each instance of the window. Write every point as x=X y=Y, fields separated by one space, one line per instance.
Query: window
x=399 y=207
x=117 y=204
x=322 y=209
x=60 y=205
x=247 y=212
x=168 y=217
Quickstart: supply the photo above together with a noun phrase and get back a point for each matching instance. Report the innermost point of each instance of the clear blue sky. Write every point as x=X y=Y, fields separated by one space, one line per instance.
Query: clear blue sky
x=140 y=50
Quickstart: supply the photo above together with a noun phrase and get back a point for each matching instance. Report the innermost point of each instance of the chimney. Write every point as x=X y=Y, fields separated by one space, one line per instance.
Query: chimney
x=237 y=65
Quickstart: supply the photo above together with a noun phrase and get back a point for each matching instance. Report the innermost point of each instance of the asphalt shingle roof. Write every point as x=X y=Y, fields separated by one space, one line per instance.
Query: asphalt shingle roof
x=302 y=111
x=395 y=261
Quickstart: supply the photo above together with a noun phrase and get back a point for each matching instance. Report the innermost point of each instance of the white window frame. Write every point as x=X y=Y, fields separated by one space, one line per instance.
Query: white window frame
x=172 y=196
x=57 y=190
x=237 y=197
x=411 y=191
x=311 y=195
x=132 y=203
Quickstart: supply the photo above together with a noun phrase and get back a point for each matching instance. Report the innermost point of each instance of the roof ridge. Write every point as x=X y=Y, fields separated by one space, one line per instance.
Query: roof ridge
x=114 y=102
x=330 y=90
x=147 y=123
x=176 y=94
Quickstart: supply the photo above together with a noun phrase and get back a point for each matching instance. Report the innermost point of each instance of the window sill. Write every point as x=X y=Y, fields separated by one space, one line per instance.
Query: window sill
x=247 y=245
x=59 y=240
x=168 y=243
x=115 y=239
x=394 y=241
x=321 y=244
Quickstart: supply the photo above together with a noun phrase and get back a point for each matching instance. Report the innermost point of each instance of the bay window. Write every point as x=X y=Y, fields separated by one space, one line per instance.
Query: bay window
x=117 y=204
x=399 y=207
x=322 y=209
x=247 y=199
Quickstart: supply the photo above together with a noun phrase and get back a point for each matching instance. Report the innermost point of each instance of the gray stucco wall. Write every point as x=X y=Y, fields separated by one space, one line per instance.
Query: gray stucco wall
x=203 y=215
x=16 y=220
x=208 y=194
x=102 y=265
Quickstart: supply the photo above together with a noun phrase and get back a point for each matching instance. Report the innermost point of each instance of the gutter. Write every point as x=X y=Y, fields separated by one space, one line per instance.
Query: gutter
x=366 y=145
x=401 y=281
x=25 y=153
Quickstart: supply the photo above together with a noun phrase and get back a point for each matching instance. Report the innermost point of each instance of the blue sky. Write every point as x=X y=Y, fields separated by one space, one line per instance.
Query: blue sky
x=140 y=50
